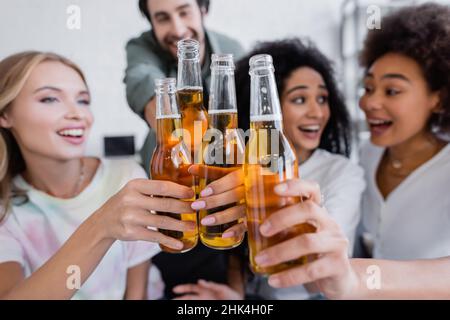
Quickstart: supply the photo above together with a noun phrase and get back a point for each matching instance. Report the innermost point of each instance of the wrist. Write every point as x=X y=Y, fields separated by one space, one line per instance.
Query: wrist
x=355 y=282
x=150 y=113
x=97 y=228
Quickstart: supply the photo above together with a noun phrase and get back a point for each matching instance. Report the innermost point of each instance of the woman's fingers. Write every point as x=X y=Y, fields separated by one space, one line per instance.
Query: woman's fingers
x=322 y=268
x=189 y=297
x=296 y=187
x=145 y=234
x=302 y=245
x=228 y=182
x=224 y=198
x=236 y=231
x=225 y=216
x=166 y=222
x=187 y=288
x=209 y=172
x=212 y=285
x=163 y=204
x=161 y=188
x=303 y=212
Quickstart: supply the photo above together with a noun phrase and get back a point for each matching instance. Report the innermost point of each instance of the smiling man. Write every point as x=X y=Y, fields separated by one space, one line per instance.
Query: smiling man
x=154 y=54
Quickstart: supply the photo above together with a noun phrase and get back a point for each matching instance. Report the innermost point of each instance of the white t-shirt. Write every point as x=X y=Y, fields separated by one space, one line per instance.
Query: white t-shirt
x=31 y=233
x=342 y=184
x=414 y=221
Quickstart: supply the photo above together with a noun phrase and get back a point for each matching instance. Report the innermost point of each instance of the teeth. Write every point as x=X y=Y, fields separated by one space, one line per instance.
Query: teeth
x=72 y=132
x=315 y=127
x=378 y=122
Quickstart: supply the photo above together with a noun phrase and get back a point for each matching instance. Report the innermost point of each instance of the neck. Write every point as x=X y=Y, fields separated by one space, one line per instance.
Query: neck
x=420 y=145
x=58 y=178
x=303 y=155
x=404 y=158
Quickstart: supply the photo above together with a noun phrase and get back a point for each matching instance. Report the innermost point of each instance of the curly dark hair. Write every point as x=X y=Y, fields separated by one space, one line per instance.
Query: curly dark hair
x=144 y=8
x=423 y=34
x=289 y=55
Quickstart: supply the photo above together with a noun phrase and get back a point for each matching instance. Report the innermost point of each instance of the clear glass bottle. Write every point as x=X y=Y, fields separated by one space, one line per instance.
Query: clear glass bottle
x=269 y=160
x=190 y=95
x=224 y=146
x=170 y=160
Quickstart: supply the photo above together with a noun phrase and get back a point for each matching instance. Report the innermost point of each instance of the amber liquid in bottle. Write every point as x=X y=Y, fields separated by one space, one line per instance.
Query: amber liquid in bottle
x=229 y=146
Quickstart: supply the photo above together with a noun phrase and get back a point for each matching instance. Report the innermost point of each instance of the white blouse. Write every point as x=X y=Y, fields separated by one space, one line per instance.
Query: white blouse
x=413 y=222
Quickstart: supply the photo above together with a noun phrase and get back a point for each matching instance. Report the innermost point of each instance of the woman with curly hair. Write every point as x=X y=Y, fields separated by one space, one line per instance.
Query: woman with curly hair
x=407 y=106
x=406 y=207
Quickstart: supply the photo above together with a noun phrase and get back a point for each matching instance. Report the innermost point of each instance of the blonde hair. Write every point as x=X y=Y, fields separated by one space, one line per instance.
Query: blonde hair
x=14 y=72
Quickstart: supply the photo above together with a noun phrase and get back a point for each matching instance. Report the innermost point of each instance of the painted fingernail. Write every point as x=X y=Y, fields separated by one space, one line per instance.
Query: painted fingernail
x=274 y=281
x=179 y=245
x=228 y=234
x=281 y=188
x=197 y=205
x=208 y=221
x=261 y=259
x=206 y=192
x=265 y=228
x=176 y=289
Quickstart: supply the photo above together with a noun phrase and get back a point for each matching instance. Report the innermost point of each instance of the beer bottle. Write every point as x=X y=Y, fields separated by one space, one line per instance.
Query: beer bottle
x=269 y=160
x=224 y=150
x=190 y=96
x=170 y=159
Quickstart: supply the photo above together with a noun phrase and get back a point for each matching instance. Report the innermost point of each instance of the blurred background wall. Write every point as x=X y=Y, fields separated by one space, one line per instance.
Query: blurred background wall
x=106 y=26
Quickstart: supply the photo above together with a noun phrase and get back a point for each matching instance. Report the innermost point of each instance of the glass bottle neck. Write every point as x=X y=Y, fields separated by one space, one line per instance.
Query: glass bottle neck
x=222 y=97
x=166 y=101
x=264 y=101
x=189 y=70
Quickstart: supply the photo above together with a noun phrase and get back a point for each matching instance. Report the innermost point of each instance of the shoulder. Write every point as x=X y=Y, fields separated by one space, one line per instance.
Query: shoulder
x=144 y=39
x=144 y=46
x=446 y=153
x=336 y=162
x=334 y=171
x=9 y=225
x=369 y=153
x=125 y=166
x=122 y=170
x=226 y=43
x=438 y=167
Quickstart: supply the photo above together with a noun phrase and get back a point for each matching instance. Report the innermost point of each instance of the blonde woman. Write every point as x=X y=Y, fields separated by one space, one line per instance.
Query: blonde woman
x=64 y=214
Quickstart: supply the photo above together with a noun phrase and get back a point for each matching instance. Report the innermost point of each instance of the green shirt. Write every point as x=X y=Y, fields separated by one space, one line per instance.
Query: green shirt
x=147 y=61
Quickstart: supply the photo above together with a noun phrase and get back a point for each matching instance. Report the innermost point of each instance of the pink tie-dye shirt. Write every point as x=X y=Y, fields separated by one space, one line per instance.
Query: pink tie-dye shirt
x=33 y=231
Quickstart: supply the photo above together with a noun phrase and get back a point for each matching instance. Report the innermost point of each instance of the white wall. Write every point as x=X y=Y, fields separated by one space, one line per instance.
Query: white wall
x=106 y=25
